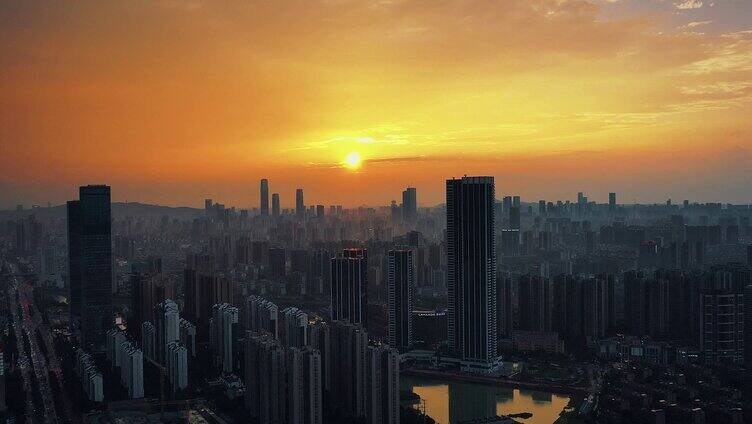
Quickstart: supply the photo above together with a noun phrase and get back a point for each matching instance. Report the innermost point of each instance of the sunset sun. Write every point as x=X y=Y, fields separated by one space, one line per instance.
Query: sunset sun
x=353 y=160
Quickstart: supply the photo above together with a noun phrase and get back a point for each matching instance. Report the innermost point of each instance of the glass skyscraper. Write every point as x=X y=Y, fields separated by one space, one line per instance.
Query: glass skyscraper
x=90 y=264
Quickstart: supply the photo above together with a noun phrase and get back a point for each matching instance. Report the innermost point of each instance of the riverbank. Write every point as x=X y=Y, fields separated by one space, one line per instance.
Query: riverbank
x=495 y=381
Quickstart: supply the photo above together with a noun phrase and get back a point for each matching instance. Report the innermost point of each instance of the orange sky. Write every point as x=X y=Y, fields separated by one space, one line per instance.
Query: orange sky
x=172 y=101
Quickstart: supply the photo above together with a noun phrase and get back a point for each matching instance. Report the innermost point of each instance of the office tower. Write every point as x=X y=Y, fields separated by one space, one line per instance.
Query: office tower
x=90 y=264
x=612 y=201
x=514 y=218
x=348 y=347
x=580 y=198
x=295 y=326
x=516 y=202
x=382 y=385
x=542 y=207
x=319 y=338
x=167 y=325
x=224 y=328
x=149 y=340
x=410 y=205
x=265 y=395
x=188 y=336
x=722 y=334
x=471 y=276
x=132 y=369
x=504 y=309
x=203 y=288
x=261 y=316
x=319 y=211
x=177 y=365
x=303 y=386
x=349 y=286
x=535 y=303
x=299 y=204
x=277 y=263
x=275 y=205
x=89 y=375
x=400 y=283
x=264 y=201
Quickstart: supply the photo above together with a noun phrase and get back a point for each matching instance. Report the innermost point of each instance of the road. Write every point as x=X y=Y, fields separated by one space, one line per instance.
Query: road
x=26 y=322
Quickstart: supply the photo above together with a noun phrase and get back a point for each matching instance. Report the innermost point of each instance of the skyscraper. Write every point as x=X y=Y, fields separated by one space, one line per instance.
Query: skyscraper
x=90 y=263
x=275 y=205
x=400 y=283
x=299 y=204
x=612 y=201
x=264 y=201
x=410 y=204
x=471 y=277
x=349 y=286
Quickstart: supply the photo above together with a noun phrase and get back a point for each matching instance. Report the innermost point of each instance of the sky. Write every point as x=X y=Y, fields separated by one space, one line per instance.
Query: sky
x=174 y=101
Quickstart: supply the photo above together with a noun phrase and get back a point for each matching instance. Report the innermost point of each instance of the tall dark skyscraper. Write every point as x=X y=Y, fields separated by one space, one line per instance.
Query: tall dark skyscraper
x=612 y=201
x=410 y=204
x=264 y=201
x=275 y=205
x=299 y=204
x=471 y=277
x=349 y=296
x=400 y=283
x=90 y=263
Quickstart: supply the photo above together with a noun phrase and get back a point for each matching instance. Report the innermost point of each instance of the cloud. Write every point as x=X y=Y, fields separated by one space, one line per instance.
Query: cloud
x=688 y=4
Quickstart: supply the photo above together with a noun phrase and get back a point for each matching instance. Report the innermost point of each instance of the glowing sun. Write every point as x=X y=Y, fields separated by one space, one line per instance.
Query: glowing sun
x=353 y=160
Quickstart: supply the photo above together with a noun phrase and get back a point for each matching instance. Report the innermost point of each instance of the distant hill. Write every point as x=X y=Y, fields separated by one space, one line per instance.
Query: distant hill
x=119 y=210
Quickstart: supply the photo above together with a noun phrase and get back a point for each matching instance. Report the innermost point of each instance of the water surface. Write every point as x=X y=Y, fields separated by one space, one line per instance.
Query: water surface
x=449 y=402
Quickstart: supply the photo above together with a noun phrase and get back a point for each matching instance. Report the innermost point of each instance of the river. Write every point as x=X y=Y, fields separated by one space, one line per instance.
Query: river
x=449 y=402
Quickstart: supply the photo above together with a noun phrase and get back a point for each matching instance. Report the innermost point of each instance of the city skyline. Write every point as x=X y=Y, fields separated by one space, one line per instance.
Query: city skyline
x=649 y=95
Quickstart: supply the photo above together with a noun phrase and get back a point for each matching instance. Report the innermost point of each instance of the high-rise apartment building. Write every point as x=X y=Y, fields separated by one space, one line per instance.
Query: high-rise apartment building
x=295 y=328
x=90 y=264
x=348 y=349
x=224 y=329
x=261 y=316
x=303 y=386
x=265 y=395
x=382 y=385
x=400 y=286
x=471 y=277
